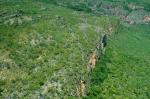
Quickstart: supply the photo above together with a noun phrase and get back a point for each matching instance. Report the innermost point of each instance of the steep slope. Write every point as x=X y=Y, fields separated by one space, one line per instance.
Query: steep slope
x=44 y=48
x=123 y=72
x=129 y=65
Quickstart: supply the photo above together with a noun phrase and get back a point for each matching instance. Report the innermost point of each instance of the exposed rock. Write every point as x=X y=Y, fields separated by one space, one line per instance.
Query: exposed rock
x=146 y=19
x=19 y=21
x=27 y=18
x=135 y=7
x=43 y=8
x=17 y=17
x=9 y=22
x=131 y=6
x=136 y=17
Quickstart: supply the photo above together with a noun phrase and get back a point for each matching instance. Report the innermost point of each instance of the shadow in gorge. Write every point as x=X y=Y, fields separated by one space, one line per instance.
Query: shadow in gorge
x=97 y=77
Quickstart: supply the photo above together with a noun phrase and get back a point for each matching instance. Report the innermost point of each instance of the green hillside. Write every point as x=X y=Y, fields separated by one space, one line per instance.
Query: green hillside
x=123 y=73
x=45 y=46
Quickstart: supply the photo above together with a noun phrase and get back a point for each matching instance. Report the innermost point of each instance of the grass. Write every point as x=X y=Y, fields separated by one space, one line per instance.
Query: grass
x=129 y=70
x=47 y=50
x=124 y=70
x=44 y=49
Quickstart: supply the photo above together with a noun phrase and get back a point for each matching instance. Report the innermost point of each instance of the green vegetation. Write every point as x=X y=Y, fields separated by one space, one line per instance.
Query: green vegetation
x=128 y=75
x=124 y=70
x=45 y=47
